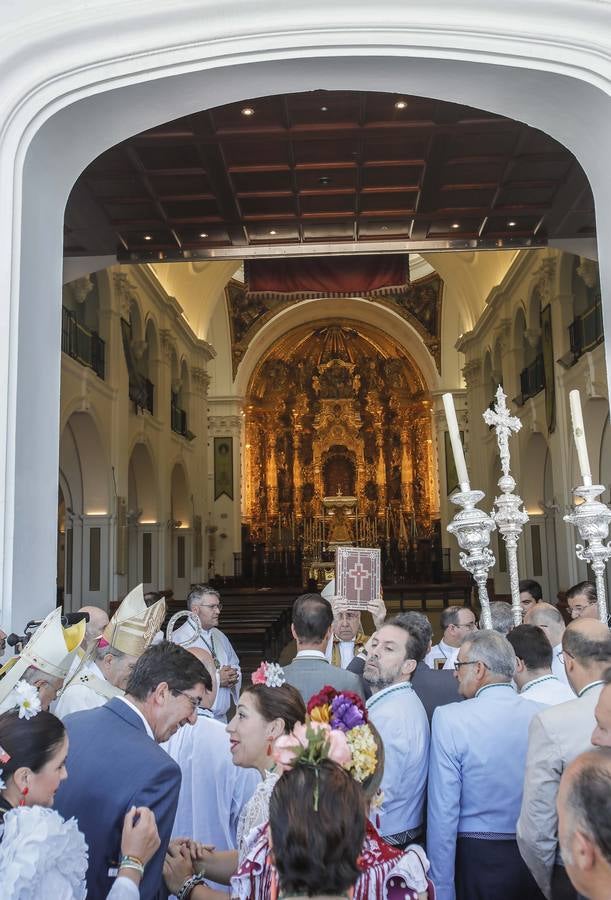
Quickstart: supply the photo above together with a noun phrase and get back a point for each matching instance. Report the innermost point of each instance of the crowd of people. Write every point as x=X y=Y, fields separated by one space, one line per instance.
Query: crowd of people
x=137 y=764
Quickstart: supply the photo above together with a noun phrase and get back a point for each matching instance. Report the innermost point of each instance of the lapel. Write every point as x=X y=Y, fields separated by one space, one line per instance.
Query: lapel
x=123 y=711
x=359 y=642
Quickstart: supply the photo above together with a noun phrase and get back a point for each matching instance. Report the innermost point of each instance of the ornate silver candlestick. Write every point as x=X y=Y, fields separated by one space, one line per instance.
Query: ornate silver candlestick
x=591 y=518
x=472 y=528
x=509 y=517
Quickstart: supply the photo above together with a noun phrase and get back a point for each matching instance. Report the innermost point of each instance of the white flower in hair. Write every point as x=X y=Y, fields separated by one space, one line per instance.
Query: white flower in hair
x=26 y=699
x=269 y=674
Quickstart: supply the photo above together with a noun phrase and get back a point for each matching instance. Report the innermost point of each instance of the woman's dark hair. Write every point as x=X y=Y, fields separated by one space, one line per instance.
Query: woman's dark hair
x=283 y=702
x=29 y=742
x=167 y=662
x=316 y=850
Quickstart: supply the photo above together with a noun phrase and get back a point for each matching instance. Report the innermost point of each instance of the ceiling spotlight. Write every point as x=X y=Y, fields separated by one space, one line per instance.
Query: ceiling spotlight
x=148 y=237
x=324 y=179
x=384 y=227
x=401 y=104
x=324 y=109
x=248 y=111
x=511 y=224
x=273 y=231
x=203 y=234
x=455 y=224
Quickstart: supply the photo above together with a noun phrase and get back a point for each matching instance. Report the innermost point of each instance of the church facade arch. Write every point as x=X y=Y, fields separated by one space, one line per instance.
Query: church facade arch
x=567 y=65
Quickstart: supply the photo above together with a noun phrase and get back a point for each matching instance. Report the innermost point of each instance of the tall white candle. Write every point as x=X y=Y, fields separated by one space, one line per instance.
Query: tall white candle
x=579 y=436
x=457 y=448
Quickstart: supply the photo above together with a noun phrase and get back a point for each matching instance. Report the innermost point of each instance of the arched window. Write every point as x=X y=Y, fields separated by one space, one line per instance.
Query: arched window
x=81 y=324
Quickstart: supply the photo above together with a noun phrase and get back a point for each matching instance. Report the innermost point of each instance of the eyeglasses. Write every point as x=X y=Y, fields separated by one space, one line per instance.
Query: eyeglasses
x=472 y=626
x=218 y=606
x=194 y=701
x=564 y=653
x=470 y=662
x=577 y=610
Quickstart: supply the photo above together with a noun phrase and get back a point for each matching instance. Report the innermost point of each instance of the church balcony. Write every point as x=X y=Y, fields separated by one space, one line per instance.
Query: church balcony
x=586 y=331
x=532 y=379
x=87 y=347
x=178 y=418
x=143 y=394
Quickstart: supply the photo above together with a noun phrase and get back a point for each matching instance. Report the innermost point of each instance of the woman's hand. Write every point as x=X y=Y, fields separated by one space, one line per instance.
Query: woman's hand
x=140 y=837
x=177 y=866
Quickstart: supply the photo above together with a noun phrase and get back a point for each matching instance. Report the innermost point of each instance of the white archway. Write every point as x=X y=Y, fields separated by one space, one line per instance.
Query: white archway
x=123 y=69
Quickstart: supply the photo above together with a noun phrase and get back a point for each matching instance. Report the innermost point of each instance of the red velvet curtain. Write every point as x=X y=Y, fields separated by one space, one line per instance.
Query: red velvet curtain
x=329 y=276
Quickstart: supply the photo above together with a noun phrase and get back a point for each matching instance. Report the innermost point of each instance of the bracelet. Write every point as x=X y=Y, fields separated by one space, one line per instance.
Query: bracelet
x=188 y=886
x=132 y=862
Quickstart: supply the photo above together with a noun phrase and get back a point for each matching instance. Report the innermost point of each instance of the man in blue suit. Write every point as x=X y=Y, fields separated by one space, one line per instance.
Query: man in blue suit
x=115 y=761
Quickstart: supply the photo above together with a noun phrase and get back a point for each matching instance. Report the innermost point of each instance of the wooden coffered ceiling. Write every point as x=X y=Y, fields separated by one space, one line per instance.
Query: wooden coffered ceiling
x=323 y=172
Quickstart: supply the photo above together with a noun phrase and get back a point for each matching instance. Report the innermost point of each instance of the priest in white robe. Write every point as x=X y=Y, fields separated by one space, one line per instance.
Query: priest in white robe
x=200 y=630
x=457 y=622
x=105 y=674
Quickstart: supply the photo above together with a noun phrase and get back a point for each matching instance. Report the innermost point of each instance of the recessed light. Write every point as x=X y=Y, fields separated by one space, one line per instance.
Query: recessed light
x=248 y=111
x=324 y=109
x=148 y=237
x=455 y=224
x=324 y=179
x=203 y=234
x=401 y=104
x=273 y=231
x=511 y=224
x=384 y=227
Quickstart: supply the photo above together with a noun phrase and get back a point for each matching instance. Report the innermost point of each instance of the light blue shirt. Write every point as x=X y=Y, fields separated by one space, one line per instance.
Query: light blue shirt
x=476 y=773
x=400 y=717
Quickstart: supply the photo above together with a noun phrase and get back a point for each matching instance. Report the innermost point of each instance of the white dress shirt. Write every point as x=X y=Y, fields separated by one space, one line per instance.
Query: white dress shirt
x=219 y=645
x=548 y=690
x=441 y=651
x=401 y=719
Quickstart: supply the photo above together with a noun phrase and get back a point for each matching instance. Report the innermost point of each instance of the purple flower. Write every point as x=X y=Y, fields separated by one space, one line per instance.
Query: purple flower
x=344 y=714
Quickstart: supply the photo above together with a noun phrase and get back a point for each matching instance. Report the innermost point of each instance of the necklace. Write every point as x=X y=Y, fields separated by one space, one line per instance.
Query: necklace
x=211 y=647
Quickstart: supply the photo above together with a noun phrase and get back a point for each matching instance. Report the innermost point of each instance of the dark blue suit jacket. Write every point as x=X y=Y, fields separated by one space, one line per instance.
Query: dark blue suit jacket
x=112 y=765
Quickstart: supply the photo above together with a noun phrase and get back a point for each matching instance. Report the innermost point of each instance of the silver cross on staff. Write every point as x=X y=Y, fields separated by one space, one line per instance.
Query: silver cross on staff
x=503 y=423
x=510 y=518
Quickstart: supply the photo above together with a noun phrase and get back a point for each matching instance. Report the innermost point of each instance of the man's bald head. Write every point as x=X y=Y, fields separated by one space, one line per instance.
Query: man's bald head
x=586 y=645
x=98 y=620
x=549 y=618
x=584 y=814
x=206 y=658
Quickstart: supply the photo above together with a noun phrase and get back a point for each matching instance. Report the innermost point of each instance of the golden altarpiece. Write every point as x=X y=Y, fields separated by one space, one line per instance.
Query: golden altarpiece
x=338 y=443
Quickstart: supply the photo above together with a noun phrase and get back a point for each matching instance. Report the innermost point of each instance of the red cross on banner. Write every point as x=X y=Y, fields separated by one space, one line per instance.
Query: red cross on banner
x=357 y=573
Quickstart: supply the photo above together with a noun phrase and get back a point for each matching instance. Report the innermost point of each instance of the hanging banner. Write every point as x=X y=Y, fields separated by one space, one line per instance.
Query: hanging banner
x=223 y=467
x=548 y=367
x=332 y=276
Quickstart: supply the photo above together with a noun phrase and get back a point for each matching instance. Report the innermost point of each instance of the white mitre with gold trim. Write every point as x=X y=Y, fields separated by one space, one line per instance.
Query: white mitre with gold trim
x=134 y=625
x=51 y=649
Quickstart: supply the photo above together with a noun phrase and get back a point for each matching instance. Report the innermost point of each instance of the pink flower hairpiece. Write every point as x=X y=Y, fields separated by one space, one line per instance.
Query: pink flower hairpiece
x=4 y=758
x=269 y=674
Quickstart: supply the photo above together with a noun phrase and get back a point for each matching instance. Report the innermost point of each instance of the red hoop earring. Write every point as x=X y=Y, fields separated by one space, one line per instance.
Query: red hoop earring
x=24 y=794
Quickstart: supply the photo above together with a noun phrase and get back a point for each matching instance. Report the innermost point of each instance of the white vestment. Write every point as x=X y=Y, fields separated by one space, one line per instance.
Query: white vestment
x=216 y=643
x=441 y=651
x=87 y=690
x=213 y=791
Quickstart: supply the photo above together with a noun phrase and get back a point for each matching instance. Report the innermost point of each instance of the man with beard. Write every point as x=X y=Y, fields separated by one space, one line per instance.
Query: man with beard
x=399 y=716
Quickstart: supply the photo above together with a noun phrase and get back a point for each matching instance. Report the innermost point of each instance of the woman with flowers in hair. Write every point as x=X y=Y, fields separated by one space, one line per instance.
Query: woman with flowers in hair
x=336 y=729
x=267 y=709
x=41 y=855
